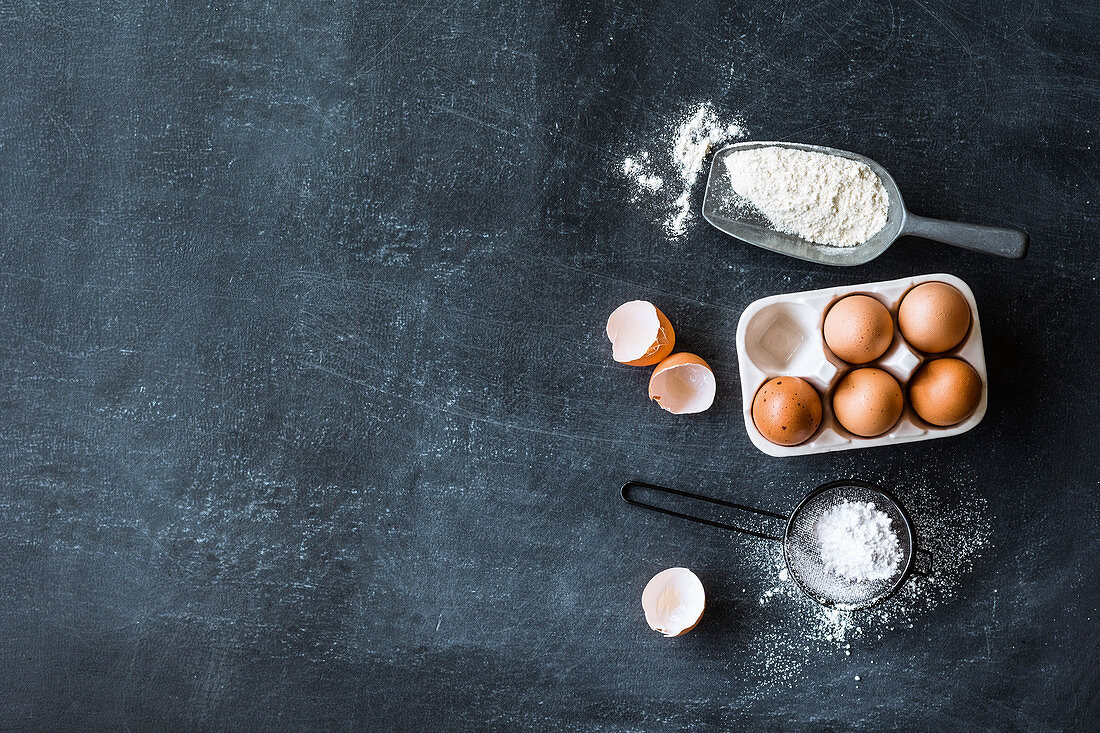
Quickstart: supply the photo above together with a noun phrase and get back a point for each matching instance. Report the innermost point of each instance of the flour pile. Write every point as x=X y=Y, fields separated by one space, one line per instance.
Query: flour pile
x=825 y=199
x=857 y=542
x=687 y=145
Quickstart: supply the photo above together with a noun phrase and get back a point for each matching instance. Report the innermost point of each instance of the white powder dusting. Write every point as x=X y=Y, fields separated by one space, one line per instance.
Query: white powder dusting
x=857 y=542
x=688 y=144
x=634 y=169
x=825 y=199
x=792 y=633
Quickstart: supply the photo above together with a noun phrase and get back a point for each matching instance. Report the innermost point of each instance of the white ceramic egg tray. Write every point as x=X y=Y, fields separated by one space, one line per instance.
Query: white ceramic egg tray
x=781 y=336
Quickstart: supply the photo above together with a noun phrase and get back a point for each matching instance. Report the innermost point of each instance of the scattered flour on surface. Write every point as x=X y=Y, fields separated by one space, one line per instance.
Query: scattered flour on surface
x=636 y=171
x=793 y=633
x=825 y=199
x=688 y=144
x=694 y=139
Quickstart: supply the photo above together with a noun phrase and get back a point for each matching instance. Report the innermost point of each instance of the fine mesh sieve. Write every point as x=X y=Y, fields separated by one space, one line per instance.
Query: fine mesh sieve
x=801 y=548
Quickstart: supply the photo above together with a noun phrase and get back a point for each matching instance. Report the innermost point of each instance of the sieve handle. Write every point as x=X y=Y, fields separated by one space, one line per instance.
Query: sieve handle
x=629 y=486
x=922 y=562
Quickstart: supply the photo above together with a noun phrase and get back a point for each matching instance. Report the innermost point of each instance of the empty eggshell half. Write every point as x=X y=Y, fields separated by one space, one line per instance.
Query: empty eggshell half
x=640 y=334
x=683 y=383
x=673 y=601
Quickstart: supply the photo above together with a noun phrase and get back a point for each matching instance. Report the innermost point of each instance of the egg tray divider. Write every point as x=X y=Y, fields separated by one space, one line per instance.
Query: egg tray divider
x=781 y=336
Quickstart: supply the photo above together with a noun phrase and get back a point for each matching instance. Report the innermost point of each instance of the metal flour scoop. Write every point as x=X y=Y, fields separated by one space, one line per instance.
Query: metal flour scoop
x=745 y=223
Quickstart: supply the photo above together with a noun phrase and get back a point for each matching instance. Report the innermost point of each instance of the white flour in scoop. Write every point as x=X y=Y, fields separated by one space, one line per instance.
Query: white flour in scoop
x=825 y=199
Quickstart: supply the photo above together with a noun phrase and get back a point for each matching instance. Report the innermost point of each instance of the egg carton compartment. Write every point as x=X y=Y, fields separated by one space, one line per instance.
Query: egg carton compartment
x=781 y=335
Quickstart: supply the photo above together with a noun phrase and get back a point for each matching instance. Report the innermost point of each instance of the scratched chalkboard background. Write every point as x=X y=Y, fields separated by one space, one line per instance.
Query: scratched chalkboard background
x=309 y=420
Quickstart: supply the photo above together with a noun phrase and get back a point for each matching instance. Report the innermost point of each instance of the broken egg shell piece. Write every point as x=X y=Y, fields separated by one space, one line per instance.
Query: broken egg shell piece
x=682 y=384
x=673 y=601
x=640 y=334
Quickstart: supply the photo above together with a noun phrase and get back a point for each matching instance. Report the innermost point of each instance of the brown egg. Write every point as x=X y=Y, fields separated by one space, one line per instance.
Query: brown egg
x=934 y=317
x=868 y=402
x=945 y=391
x=858 y=329
x=786 y=410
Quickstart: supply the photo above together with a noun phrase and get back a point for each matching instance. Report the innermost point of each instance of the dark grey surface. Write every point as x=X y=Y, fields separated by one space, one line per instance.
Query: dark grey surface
x=310 y=420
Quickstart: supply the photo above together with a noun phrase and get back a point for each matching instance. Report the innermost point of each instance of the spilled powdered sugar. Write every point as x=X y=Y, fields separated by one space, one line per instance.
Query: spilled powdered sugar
x=793 y=632
x=635 y=170
x=685 y=149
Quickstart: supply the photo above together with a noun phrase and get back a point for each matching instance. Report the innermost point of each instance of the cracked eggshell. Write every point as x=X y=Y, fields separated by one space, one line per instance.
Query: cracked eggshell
x=673 y=601
x=640 y=334
x=682 y=384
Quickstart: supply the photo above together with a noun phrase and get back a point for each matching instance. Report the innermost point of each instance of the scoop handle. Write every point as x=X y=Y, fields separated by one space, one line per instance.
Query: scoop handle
x=1000 y=241
x=629 y=486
